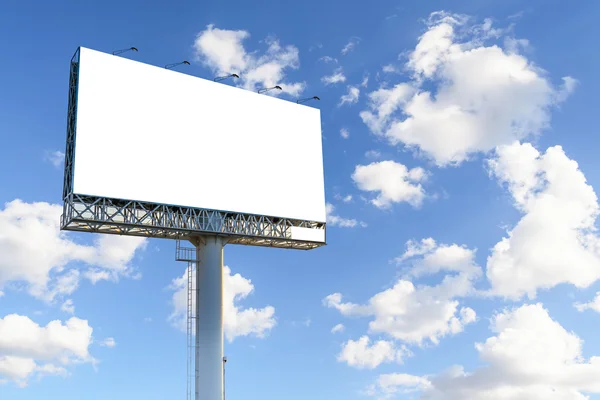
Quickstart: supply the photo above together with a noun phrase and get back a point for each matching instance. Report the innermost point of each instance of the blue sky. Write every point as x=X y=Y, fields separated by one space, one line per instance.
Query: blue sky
x=462 y=259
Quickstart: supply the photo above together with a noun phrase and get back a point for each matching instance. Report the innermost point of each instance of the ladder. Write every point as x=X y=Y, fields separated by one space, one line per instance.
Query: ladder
x=188 y=254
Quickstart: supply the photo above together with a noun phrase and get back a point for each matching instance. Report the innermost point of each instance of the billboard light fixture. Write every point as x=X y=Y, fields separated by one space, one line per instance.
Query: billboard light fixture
x=220 y=78
x=169 y=66
x=264 y=90
x=307 y=99
x=117 y=52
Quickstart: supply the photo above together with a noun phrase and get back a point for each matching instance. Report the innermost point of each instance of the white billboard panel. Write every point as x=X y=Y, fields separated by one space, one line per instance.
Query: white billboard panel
x=307 y=234
x=150 y=134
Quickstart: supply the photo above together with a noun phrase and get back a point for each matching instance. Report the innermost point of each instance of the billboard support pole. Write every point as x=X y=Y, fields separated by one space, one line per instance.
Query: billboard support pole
x=209 y=317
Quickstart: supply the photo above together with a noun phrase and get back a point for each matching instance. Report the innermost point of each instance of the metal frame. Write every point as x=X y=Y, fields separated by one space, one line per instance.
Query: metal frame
x=137 y=218
x=71 y=125
x=188 y=254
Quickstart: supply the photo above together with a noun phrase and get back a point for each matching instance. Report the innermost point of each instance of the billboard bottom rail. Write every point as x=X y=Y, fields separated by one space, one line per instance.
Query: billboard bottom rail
x=134 y=218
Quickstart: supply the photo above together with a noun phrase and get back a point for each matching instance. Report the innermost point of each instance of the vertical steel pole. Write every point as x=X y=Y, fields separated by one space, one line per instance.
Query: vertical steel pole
x=209 y=318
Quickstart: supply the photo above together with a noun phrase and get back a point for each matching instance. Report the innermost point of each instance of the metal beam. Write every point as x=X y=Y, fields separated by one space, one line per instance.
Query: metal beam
x=135 y=218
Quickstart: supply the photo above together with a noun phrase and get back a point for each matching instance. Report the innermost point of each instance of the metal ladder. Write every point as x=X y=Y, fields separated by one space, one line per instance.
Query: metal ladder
x=188 y=254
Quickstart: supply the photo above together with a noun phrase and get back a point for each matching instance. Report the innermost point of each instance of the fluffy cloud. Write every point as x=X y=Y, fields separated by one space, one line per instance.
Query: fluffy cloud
x=56 y=158
x=35 y=252
x=237 y=321
x=28 y=349
x=346 y=199
x=555 y=241
x=328 y=59
x=390 y=69
x=393 y=182
x=108 y=342
x=482 y=95
x=351 y=97
x=68 y=307
x=530 y=357
x=362 y=354
x=223 y=52
x=350 y=45
x=344 y=133
x=592 y=305
x=337 y=77
x=338 y=328
x=365 y=81
x=419 y=314
x=388 y=385
x=374 y=154
x=336 y=220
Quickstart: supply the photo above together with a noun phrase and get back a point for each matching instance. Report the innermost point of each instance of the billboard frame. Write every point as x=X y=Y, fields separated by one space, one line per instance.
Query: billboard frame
x=138 y=218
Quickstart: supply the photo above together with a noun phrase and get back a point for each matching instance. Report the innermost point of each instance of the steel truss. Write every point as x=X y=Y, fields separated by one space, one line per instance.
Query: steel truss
x=137 y=218
x=71 y=125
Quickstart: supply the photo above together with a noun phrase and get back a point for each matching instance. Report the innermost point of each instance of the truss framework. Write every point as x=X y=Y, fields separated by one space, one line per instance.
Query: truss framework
x=137 y=218
x=71 y=125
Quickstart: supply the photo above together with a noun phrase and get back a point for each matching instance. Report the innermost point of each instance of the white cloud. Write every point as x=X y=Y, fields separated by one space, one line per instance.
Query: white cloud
x=531 y=357
x=365 y=81
x=28 y=349
x=482 y=96
x=328 y=59
x=390 y=69
x=338 y=328
x=223 y=52
x=336 y=220
x=347 y=309
x=238 y=321
x=96 y=275
x=56 y=158
x=36 y=252
x=374 y=154
x=344 y=133
x=351 y=97
x=555 y=241
x=388 y=385
x=305 y=323
x=108 y=342
x=383 y=104
x=362 y=354
x=514 y=45
x=337 y=77
x=393 y=182
x=68 y=307
x=415 y=314
x=350 y=45
x=414 y=249
x=346 y=199
x=592 y=305
x=315 y=46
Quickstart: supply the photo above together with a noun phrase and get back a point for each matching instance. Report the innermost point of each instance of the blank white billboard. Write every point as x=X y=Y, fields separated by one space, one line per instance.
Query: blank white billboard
x=150 y=134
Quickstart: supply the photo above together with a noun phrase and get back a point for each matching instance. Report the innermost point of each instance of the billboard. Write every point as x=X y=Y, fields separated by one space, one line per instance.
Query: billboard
x=150 y=134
